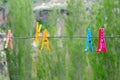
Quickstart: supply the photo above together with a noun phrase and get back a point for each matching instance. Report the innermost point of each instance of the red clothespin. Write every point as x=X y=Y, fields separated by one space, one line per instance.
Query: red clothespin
x=9 y=39
x=101 y=41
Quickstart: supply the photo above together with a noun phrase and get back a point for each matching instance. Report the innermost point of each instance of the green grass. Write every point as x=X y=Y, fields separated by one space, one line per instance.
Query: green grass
x=69 y=61
x=105 y=66
x=20 y=21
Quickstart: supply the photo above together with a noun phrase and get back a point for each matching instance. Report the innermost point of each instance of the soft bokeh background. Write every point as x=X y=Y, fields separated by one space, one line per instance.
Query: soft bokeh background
x=66 y=60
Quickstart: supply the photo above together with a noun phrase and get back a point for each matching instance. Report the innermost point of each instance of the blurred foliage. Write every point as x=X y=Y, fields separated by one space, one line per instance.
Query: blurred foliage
x=36 y=1
x=19 y=58
x=75 y=25
x=50 y=64
x=3 y=2
x=67 y=60
x=105 y=14
x=2 y=77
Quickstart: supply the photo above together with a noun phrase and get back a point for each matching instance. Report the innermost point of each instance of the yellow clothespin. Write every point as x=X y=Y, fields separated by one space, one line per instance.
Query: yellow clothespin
x=37 y=34
x=45 y=40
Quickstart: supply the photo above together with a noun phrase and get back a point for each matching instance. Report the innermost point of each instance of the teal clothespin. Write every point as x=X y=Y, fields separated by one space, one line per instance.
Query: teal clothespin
x=89 y=41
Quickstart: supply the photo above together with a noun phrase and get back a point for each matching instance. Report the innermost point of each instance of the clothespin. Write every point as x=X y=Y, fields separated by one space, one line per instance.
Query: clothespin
x=9 y=40
x=89 y=40
x=101 y=41
x=37 y=34
x=45 y=40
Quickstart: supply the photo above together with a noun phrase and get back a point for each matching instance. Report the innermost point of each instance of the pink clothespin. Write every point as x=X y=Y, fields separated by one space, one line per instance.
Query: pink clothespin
x=9 y=39
x=101 y=41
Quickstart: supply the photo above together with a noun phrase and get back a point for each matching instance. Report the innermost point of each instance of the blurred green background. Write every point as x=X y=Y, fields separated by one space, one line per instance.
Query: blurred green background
x=66 y=60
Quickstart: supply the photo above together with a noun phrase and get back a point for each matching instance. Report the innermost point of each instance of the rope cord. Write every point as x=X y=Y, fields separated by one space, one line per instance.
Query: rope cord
x=118 y=36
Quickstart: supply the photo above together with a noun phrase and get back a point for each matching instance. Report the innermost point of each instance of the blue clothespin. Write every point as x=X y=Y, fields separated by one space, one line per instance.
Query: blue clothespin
x=89 y=41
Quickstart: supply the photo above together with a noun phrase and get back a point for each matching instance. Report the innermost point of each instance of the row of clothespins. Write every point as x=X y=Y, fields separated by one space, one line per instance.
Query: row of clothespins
x=101 y=39
x=44 y=39
x=36 y=40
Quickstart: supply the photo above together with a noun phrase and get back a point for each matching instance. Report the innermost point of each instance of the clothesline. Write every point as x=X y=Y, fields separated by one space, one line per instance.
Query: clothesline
x=101 y=39
x=30 y=37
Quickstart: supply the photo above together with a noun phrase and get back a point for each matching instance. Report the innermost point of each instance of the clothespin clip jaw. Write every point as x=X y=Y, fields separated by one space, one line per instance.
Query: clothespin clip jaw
x=89 y=41
x=45 y=40
x=37 y=34
x=38 y=27
x=9 y=40
x=101 y=41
